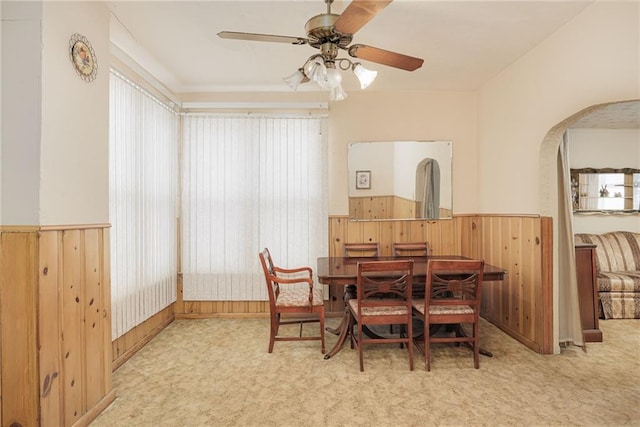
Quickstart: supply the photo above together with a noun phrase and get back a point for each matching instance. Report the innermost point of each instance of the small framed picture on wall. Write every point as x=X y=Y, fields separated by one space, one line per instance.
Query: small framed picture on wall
x=363 y=180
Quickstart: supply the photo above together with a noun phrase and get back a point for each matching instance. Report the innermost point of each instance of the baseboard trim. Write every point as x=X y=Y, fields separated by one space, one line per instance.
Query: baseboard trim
x=97 y=409
x=138 y=345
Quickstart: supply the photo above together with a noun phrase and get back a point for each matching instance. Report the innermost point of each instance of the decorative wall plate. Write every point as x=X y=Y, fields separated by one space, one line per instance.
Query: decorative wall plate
x=83 y=57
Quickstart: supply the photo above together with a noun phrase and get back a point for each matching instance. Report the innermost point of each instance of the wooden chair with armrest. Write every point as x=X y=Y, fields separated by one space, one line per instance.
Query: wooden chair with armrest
x=288 y=296
x=452 y=297
x=383 y=298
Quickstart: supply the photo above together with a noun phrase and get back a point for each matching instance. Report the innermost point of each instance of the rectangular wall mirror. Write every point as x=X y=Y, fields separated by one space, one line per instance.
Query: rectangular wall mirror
x=400 y=180
x=605 y=190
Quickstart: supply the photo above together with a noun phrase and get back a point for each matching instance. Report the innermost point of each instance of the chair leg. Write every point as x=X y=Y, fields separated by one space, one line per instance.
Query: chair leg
x=275 y=320
x=322 y=331
x=427 y=350
x=410 y=343
x=359 y=345
x=476 y=345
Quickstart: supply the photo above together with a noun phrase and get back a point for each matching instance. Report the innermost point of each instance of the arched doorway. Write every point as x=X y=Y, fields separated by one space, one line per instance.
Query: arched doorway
x=551 y=205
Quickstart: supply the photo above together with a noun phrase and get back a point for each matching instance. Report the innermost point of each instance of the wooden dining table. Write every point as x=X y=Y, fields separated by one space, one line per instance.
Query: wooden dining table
x=344 y=271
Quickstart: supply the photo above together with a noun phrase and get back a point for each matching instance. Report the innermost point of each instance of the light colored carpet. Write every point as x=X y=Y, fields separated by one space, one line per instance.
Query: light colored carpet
x=217 y=372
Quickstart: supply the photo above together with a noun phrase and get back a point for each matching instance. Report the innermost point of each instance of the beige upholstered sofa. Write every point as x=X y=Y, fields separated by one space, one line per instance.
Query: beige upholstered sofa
x=618 y=272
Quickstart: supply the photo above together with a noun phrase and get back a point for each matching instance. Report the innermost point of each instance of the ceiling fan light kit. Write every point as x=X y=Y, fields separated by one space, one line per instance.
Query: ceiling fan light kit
x=295 y=79
x=329 y=33
x=365 y=76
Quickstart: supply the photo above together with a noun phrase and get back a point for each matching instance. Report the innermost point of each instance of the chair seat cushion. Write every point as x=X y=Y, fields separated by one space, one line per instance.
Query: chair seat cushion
x=442 y=309
x=389 y=310
x=299 y=297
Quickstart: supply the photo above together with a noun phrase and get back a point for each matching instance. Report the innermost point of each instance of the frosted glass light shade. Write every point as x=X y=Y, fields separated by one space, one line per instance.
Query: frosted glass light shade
x=365 y=76
x=337 y=93
x=334 y=78
x=294 y=79
x=316 y=70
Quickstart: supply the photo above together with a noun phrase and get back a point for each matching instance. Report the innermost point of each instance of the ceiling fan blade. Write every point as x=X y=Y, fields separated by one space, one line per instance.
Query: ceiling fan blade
x=261 y=37
x=357 y=14
x=385 y=57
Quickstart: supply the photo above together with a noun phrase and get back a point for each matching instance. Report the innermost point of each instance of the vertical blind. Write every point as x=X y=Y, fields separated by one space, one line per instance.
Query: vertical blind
x=250 y=181
x=143 y=203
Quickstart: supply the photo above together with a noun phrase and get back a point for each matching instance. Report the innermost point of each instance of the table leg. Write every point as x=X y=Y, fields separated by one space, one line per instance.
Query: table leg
x=349 y=292
x=346 y=329
x=335 y=331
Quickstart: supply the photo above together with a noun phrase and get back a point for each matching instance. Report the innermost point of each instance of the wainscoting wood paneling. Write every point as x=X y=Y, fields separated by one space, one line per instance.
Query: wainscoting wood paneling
x=381 y=207
x=55 y=311
x=207 y=309
x=50 y=327
x=518 y=305
x=18 y=327
x=128 y=344
x=521 y=305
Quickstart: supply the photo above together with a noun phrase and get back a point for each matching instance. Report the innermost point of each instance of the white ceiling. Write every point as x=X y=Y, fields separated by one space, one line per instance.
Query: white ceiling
x=463 y=43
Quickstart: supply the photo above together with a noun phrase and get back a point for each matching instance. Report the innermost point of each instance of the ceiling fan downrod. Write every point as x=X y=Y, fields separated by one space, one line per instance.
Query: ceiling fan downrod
x=328 y=2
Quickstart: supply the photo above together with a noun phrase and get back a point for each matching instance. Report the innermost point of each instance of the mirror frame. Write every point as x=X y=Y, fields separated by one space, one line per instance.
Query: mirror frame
x=375 y=203
x=576 y=194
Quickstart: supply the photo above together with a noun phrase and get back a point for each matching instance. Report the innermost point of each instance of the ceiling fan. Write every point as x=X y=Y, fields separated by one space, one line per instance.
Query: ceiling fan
x=329 y=32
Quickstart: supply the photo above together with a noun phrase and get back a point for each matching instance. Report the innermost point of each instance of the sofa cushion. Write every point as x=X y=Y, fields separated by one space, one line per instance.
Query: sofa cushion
x=619 y=281
x=617 y=251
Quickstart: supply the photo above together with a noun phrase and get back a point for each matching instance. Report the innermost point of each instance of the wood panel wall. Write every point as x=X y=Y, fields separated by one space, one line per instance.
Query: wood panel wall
x=128 y=344
x=18 y=327
x=202 y=309
x=382 y=207
x=55 y=316
x=387 y=207
x=521 y=305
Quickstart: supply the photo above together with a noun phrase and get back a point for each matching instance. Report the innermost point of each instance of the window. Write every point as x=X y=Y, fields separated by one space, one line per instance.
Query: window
x=250 y=181
x=143 y=203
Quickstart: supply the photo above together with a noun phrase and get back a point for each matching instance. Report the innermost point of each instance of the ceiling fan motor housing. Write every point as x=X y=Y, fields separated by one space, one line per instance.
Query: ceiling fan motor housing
x=320 y=31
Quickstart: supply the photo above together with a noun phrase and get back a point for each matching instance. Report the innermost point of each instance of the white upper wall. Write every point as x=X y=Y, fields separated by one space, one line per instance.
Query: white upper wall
x=55 y=126
x=593 y=59
x=74 y=187
x=405 y=116
x=21 y=112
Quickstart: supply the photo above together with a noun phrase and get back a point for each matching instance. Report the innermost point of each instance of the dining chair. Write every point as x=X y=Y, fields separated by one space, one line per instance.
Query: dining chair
x=353 y=250
x=383 y=298
x=411 y=249
x=288 y=296
x=362 y=250
x=452 y=297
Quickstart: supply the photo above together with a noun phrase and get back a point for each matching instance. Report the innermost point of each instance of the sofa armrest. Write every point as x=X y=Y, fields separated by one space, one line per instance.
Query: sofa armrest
x=615 y=251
